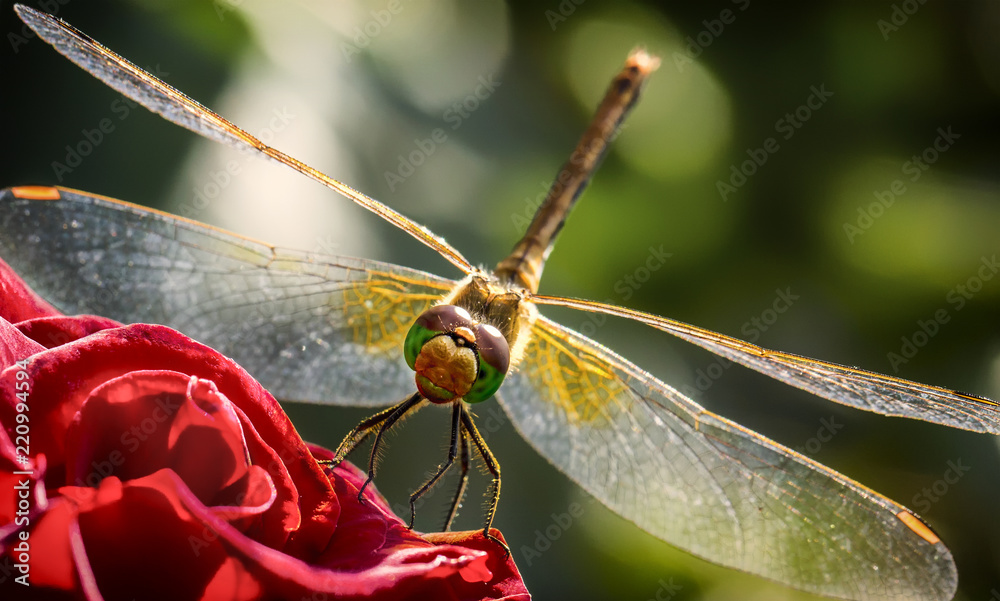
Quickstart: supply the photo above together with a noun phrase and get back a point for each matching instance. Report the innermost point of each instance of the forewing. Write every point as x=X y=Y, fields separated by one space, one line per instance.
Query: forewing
x=176 y=107
x=710 y=486
x=309 y=327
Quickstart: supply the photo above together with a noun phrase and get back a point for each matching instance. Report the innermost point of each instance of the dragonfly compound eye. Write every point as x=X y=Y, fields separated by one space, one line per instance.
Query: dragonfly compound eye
x=454 y=356
x=442 y=319
x=440 y=347
x=494 y=359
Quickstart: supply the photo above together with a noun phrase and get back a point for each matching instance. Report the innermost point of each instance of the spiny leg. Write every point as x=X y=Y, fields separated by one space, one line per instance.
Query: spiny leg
x=397 y=413
x=359 y=434
x=494 y=468
x=378 y=422
x=452 y=453
x=463 y=481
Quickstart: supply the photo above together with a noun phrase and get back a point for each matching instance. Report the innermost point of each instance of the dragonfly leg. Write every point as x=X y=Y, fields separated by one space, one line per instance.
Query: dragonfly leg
x=396 y=413
x=494 y=468
x=357 y=436
x=378 y=423
x=463 y=481
x=452 y=453
x=361 y=432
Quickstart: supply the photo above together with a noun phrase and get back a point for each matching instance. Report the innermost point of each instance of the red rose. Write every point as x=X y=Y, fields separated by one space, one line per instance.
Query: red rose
x=136 y=463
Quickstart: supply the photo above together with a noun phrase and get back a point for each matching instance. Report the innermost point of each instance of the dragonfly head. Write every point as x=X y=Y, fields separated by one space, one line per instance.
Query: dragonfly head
x=454 y=356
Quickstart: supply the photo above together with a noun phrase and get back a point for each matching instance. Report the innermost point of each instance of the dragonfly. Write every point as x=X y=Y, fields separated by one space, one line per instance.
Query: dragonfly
x=314 y=327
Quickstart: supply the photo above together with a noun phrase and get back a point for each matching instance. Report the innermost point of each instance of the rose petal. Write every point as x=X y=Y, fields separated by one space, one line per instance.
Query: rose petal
x=283 y=519
x=231 y=581
x=256 y=496
x=20 y=478
x=17 y=301
x=50 y=537
x=145 y=421
x=410 y=568
x=14 y=347
x=53 y=331
x=175 y=557
x=505 y=580
x=63 y=377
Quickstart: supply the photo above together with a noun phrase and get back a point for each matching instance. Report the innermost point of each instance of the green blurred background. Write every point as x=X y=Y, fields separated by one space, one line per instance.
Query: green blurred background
x=349 y=87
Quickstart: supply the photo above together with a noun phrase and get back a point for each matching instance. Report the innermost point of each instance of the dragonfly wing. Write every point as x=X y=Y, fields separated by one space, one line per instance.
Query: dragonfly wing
x=860 y=388
x=176 y=107
x=128 y=79
x=871 y=391
x=710 y=486
x=309 y=327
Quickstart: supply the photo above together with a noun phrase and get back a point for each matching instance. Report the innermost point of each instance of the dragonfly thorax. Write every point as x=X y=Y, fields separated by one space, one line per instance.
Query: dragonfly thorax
x=454 y=356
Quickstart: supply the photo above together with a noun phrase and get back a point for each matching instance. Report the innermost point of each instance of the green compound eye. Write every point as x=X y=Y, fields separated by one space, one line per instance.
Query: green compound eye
x=492 y=353
x=416 y=338
x=494 y=359
x=435 y=321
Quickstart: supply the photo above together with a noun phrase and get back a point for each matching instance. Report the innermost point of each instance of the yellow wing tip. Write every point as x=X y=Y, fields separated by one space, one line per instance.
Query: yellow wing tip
x=35 y=192
x=916 y=525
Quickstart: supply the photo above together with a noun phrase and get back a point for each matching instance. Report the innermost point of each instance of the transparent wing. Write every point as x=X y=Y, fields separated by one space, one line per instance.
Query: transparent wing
x=174 y=106
x=710 y=486
x=309 y=327
x=859 y=388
